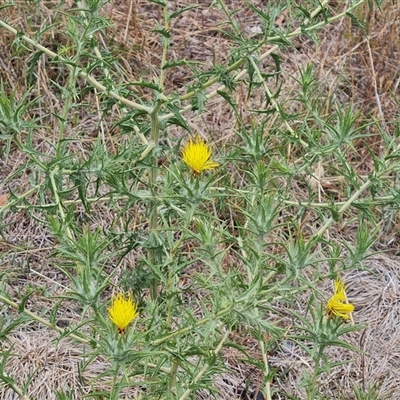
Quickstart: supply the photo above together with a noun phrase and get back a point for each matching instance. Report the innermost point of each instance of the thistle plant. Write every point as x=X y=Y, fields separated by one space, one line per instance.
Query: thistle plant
x=185 y=251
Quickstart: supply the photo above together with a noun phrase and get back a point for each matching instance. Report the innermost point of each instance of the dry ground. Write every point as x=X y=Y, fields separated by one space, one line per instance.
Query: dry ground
x=363 y=72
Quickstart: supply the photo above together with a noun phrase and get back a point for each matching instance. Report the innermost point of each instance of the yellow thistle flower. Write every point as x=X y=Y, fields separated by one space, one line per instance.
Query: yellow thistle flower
x=196 y=155
x=337 y=304
x=123 y=311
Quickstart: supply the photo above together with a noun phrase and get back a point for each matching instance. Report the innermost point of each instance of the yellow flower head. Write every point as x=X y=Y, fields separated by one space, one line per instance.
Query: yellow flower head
x=337 y=304
x=123 y=311
x=196 y=155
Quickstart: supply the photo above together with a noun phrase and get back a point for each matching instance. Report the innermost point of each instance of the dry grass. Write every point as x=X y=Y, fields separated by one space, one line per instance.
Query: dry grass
x=359 y=71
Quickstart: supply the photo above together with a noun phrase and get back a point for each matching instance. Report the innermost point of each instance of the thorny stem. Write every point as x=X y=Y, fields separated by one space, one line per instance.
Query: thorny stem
x=31 y=155
x=375 y=201
x=206 y=366
x=242 y=73
x=43 y=321
x=370 y=201
x=191 y=327
x=173 y=376
x=66 y=333
x=275 y=103
x=165 y=47
x=10 y=383
x=68 y=94
x=311 y=383
x=104 y=66
x=153 y=224
x=58 y=202
x=155 y=136
x=82 y=73
x=344 y=208
x=354 y=197
x=266 y=370
x=302 y=29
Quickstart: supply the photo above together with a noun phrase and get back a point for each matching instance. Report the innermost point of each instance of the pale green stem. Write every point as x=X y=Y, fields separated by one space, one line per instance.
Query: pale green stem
x=95 y=48
x=312 y=382
x=114 y=380
x=209 y=83
x=64 y=117
x=31 y=155
x=43 y=321
x=155 y=136
x=206 y=366
x=260 y=342
x=353 y=198
x=65 y=333
x=274 y=48
x=274 y=102
x=147 y=150
x=165 y=47
x=173 y=377
x=58 y=202
x=83 y=74
x=70 y=90
x=369 y=201
x=79 y=201
x=172 y=299
x=14 y=387
x=153 y=224
x=266 y=370
x=191 y=327
x=344 y=208
x=229 y=16
x=374 y=201
x=19 y=198
x=250 y=275
x=105 y=69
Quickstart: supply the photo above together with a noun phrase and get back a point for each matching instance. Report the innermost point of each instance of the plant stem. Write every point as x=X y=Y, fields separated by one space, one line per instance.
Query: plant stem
x=173 y=377
x=243 y=72
x=153 y=224
x=206 y=366
x=191 y=327
x=353 y=198
x=59 y=205
x=43 y=321
x=83 y=74
x=266 y=370
x=311 y=383
x=155 y=136
x=275 y=103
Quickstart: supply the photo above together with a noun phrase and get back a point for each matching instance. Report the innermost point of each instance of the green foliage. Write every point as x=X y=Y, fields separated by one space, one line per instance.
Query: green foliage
x=216 y=253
